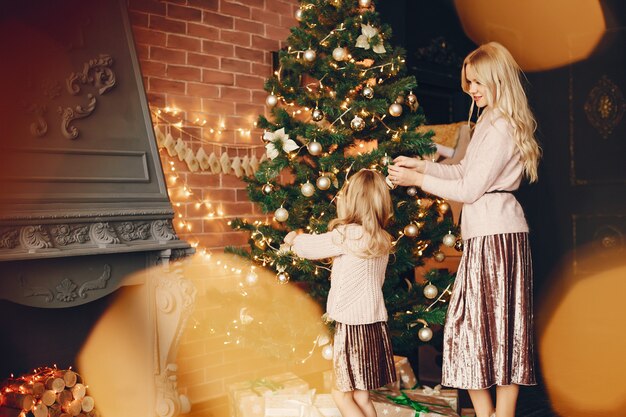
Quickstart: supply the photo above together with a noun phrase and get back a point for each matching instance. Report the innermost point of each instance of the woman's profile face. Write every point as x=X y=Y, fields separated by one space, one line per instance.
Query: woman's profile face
x=475 y=88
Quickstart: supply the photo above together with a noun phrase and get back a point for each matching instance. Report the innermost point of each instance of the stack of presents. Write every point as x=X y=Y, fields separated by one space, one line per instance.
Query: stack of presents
x=287 y=395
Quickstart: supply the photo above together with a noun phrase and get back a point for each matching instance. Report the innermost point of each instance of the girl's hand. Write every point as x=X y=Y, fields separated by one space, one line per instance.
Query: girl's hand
x=404 y=176
x=290 y=237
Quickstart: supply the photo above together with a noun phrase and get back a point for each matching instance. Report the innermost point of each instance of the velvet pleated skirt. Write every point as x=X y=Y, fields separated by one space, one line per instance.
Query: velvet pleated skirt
x=488 y=335
x=362 y=357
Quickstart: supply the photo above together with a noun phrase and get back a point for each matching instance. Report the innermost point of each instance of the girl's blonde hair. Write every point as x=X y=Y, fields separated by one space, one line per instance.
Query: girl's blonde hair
x=365 y=200
x=497 y=70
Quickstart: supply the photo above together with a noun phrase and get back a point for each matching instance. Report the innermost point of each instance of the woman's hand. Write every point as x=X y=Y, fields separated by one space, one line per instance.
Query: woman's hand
x=411 y=163
x=404 y=176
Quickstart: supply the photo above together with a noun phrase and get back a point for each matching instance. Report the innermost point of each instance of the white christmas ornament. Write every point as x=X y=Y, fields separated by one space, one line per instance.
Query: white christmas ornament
x=340 y=54
x=271 y=100
x=363 y=41
x=449 y=240
x=309 y=55
x=430 y=291
x=278 y=140
x=282 y=277
x=299 y=15
x=281 y=214
x=395 y=109
x=327 y=352
x=323 y=339
x=425 y=334
x=323 y=183
x=439 y=256
x=365 y=3
x=307 y=189
x=314 y=148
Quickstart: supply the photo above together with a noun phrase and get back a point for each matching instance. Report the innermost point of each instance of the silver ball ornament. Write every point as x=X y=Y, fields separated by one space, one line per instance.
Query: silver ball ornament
x=425 y=334
x=439 y=256
x=317 y=115
x=282 y=277
x=298 y=15
x=430 y=291
x=267 y=188
x=327 y=352
x=323 y=183
x=271 y=100
x=411 y=230
x=357 y=124
x=309 y=55
x=281 y=214
x=458 y=245
x=314 y=148
x=368 y=92
x=411 y=191
x=251 y=278
x=449 y=240
x=395 y=109
x=340 y=54
x=307 y=189
x=365 y=3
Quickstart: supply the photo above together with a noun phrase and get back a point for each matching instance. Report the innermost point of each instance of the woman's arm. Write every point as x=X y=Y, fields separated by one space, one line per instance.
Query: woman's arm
x=430 y=168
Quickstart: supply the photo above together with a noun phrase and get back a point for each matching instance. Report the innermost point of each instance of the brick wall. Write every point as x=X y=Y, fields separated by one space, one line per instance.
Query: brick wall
x=209 y=60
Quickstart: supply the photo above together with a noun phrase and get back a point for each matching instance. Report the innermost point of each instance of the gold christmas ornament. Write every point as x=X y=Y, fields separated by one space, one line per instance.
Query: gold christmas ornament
x=317 y=115
x=314 y=148
x=260 y=243
x=340 y=54
x=298 y=15
x=425 y=334
x=281 y=214
x=395 y=110
x=411 y=230
x=400 y=100
x=439 y=256
x=411 y=101
x=365 y=3
x=309 y=55
x=267 y=188
x=282 y=277
x=323 y=182
x=307 y=189
x=271 y=100
x=430 y=291
x=368 y=92
x=449 y=240
x=444 y=207
x=411 y=191
x=357 y=124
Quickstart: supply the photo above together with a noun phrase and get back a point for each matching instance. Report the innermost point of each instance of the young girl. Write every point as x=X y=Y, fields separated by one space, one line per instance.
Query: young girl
x=488 y=335
x=360 y=246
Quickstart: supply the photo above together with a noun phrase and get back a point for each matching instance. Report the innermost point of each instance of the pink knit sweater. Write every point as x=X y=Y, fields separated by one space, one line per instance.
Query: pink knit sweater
x=355 y=295
x=491 y=163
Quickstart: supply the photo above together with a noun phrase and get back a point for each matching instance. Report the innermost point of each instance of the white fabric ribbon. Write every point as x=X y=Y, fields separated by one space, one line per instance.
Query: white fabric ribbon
x=431 y=391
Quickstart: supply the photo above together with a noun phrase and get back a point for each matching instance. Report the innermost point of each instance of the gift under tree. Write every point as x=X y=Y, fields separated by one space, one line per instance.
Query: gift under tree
x=341 y=101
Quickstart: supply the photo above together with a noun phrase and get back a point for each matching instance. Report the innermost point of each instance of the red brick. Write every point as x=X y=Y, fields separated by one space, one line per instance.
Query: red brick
x=149 y=6
x=184 y=13
x=234 y=9
x=218 y=20
x=261 y=70
x=184 y=73
x=149 y=37
x=249 y=81
x=218 y=107
x=167 y=55
x=218 y=48
x=186 y=103
x=153 y=68
x=167 y=25
x=143 y=51
x=204 y=179
x=218 y=195
x=249 y=26
x=288 y=21
x=205 y=4
x=203 y=90
x=268 y=18
x=167 y=86
x=216 y=226
x=249 y=109
x=259 y=42
x=138 y=19
x=254 y=3
x=184 y=42
x=239 y=38
x=233 y=182
x=235 y=65
x=235 y=94
x=277 y=32
x=202 y=31
x=156 y=99
x=202 y=60
x=217 y=77
x=278 y=6
x=250 y=54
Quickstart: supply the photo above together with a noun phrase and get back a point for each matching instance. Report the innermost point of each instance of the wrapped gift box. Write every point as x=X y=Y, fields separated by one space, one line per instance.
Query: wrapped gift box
x=405 y=373
x=398 y=404
x=451 y=396
x=298 y=405
x=247 y=398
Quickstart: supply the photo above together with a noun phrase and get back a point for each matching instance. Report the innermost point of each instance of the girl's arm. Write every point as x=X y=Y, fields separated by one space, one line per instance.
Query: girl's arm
x=320 y=246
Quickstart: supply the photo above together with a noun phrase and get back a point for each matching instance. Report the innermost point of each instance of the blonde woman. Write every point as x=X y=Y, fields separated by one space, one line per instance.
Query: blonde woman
x=488 y=335
x=360 y=247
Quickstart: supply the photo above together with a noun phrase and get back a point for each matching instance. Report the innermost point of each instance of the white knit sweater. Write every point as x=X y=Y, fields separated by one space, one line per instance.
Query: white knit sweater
x=355 y=295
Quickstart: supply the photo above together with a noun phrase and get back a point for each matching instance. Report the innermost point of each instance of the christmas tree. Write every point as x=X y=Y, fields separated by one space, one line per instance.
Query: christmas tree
x=341 y=101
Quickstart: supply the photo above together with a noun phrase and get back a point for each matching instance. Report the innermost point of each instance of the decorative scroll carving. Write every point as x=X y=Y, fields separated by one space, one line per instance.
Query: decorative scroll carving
x=66 y=235
x=103 y=233
x=133 y=231
x=68 y=114
x=37 y=291
x=605 y=106
x=96 y=284
x=9 y=239
x=96 y=72
x=163 y=230
x=39 y=127
x=66 y=291
x=35 y=237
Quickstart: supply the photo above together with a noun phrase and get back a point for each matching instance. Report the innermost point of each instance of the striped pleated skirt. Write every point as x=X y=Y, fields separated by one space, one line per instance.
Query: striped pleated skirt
x=488 y=335
x=363 y=357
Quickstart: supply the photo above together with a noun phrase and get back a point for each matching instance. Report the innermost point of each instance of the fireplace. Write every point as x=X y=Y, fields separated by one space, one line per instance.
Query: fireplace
x=84 y=204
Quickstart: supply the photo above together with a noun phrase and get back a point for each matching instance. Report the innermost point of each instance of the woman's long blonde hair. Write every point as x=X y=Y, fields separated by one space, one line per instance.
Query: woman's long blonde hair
x=365 y=200
x=497 y=70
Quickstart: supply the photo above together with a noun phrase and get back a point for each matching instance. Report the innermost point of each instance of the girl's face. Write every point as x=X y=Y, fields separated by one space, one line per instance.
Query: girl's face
x=478 y=91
